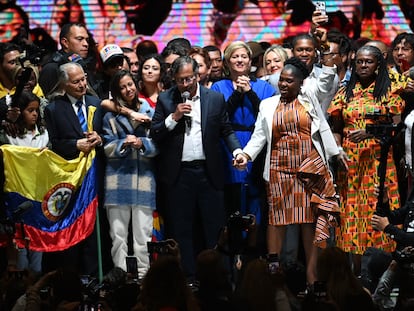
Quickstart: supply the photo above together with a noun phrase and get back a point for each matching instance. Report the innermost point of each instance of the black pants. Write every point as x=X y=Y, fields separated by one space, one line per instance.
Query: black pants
x=194 y=214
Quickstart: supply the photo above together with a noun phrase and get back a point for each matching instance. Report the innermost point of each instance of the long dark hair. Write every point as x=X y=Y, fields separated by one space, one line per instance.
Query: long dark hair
x=163 y=68
x=116 y=91
x=382 y=79
x=22 y=102
x=334 y=270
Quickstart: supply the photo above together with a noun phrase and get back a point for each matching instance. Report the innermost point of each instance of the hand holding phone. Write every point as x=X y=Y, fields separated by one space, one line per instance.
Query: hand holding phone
x=132 y=267
x=321 y=6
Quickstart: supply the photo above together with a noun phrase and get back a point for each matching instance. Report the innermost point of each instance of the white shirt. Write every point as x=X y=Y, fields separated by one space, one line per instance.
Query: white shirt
x=193 y=142
x=73 y=101
x=31 y=139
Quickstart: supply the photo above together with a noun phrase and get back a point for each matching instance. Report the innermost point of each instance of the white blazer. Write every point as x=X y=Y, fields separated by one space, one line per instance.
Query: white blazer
x=322 y=137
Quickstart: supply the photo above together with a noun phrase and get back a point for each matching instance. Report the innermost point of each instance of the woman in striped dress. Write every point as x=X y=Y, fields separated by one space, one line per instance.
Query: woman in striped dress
x=299 y=141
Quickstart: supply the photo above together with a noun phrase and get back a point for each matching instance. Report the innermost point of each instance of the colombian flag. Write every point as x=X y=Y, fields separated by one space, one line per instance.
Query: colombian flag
x=53 y=201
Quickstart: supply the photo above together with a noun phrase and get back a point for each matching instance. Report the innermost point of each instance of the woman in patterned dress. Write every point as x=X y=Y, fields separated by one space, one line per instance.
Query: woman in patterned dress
x=299 y=142
x=368 y=91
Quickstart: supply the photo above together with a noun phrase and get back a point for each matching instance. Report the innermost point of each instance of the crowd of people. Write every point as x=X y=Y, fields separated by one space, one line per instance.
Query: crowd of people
x=275 y=171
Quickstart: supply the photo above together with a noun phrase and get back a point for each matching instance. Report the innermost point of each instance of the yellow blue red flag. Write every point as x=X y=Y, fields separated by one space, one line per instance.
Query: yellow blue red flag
x=53 y=201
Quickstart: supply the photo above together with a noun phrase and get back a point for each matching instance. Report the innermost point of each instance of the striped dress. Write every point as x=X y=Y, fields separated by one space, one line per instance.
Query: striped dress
x=289 y=200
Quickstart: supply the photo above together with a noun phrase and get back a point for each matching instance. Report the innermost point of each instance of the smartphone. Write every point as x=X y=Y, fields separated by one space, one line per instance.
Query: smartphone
x=320 y=6
x=158 y=247
x=132 y=267
x=273 y=263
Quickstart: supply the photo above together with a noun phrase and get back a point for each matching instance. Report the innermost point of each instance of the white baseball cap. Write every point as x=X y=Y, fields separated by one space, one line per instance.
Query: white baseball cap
x=110 y=51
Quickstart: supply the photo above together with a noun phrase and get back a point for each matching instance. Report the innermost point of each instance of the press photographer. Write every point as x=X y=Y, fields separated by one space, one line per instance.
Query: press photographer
x=116 y=292
x=402 y=267
x=64 y=289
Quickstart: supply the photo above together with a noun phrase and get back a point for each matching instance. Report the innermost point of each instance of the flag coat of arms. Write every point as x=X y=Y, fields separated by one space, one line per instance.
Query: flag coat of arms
x=53 y=201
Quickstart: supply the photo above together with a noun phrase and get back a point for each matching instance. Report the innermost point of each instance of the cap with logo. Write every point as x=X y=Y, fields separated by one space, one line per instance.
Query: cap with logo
x=111 y=51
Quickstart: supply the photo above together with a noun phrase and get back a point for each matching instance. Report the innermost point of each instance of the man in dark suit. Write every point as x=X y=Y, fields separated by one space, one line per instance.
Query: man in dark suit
x=68 y=139
x=189 y=125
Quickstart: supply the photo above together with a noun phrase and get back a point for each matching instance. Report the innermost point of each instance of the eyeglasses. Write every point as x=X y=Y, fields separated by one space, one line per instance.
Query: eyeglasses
x=187 y=80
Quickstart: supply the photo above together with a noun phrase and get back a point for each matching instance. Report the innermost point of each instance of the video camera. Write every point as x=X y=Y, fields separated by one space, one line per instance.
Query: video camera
x=383 y=126
x=95 y=292
x=386 y=131
x=237 y=221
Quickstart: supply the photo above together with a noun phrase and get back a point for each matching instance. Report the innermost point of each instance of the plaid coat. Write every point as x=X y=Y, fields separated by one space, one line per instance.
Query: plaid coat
x=129 y=178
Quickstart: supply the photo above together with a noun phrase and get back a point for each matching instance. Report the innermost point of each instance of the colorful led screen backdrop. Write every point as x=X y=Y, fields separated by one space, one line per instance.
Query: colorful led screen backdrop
x=206 y=22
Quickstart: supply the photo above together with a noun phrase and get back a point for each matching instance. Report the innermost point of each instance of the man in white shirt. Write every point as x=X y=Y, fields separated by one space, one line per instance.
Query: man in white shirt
x=189 y=125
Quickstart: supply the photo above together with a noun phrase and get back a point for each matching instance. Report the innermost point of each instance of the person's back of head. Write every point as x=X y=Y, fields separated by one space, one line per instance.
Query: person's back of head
x=181 y=43
x=146 y=47
x=256 y=297
x=211 y=272
x=67 y=285
x=333 y=265
x=165 y=285
x=173 y=49
x=334 y=270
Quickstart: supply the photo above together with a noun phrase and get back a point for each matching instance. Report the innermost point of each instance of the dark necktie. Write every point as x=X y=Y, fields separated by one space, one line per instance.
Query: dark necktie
x=81 y=116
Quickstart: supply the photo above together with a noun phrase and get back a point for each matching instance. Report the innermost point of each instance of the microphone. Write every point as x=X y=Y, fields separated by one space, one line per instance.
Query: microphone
x=187 y=119
x=185 y=95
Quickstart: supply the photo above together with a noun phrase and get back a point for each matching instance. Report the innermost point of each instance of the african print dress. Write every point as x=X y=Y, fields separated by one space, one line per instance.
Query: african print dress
x=299 y=179
x=356 y=187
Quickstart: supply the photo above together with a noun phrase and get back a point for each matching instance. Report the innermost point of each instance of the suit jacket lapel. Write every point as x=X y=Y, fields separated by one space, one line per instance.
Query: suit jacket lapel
x=71 y=115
